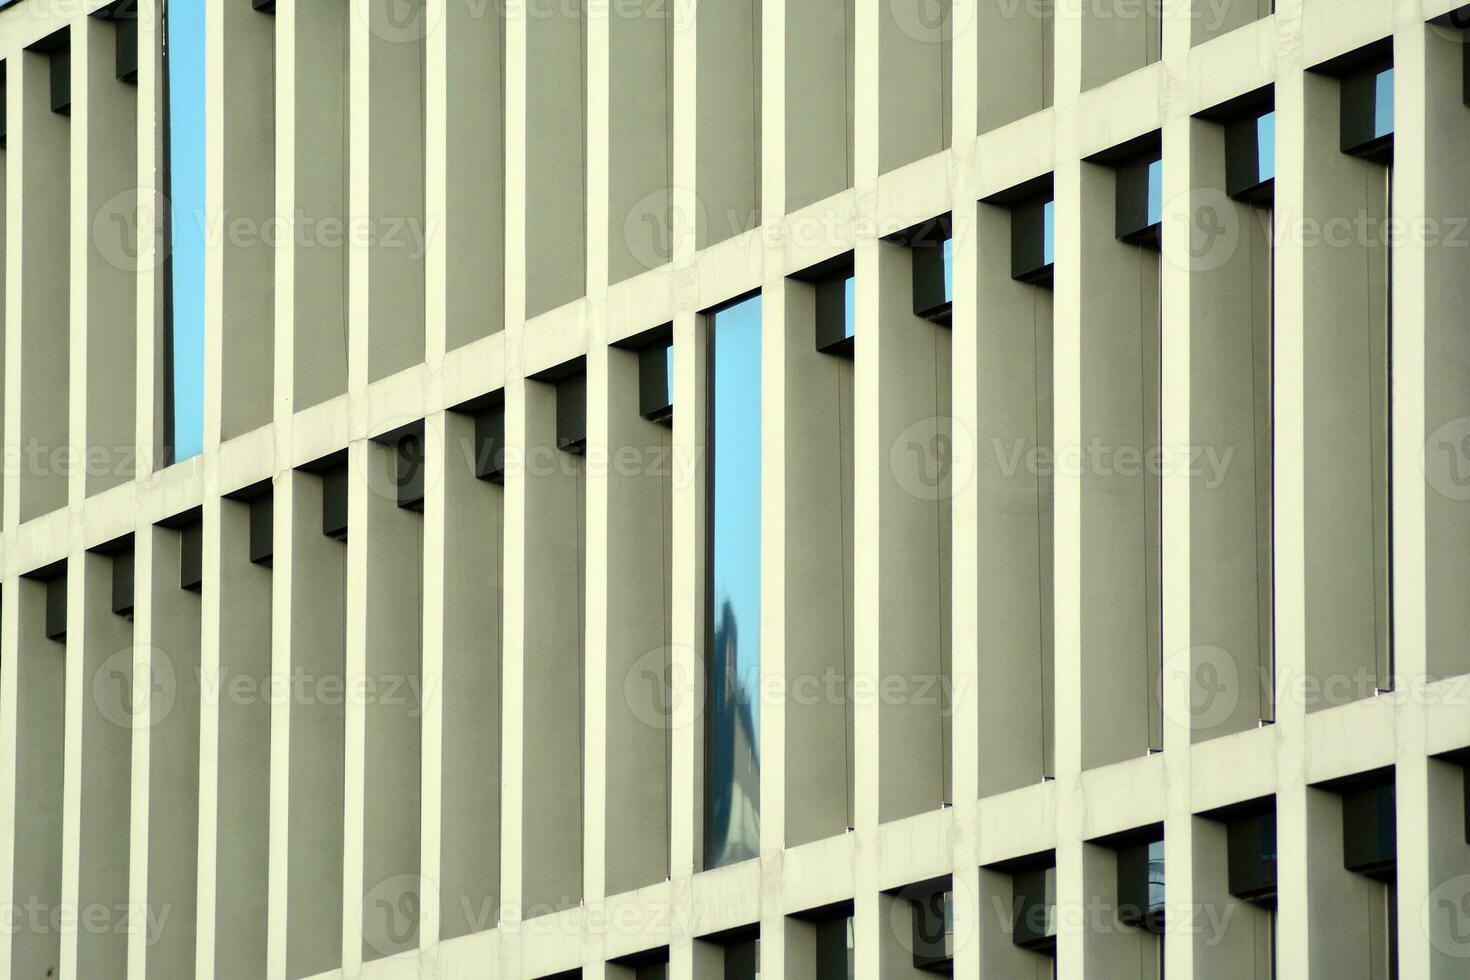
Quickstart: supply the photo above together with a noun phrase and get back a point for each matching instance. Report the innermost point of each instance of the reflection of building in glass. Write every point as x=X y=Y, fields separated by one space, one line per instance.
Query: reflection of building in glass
x=734 y=754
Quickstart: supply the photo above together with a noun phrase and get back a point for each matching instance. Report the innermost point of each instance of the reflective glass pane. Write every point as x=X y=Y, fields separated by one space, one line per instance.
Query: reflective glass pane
x=1383 y=103
x=849 y=303
x=732 y=716
x=1266 y=146
x=183 y=53
x=949 y=270
x=1155 y=192
x=1048 y=234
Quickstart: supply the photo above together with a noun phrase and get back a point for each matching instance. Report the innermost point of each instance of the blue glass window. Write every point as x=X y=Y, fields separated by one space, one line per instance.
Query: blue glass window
x=1049 y=232
x=949 y=270
x=849 y=302
x=732 y=715
x=1383 y=103
x=1266 y=146
x=1155 y=192
x=184 y=115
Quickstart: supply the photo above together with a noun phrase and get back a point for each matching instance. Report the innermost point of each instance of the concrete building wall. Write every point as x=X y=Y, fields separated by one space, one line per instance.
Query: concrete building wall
x=469 y=740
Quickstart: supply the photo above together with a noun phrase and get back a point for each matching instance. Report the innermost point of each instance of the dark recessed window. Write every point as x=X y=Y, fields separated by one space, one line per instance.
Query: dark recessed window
x=933 y=250
x=1367 y=113
x=1250 y=157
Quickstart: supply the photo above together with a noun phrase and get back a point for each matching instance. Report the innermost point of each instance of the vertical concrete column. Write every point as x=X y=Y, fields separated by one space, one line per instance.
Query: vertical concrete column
x=512 y=800
x=104 y=704
x=555 y=158
x=472 y=557
x=551 y=739
x=868 y=467
x=915 y=75
x=817 y=99
x=639 y=148
x=778 y=330
x=965 y=679
x=599 y=471
x=244 y=46
x=40 y=703
x=1229 y=503
x=813 y=467
x=45 y=280
x=914 y=485
x=9 y=732
x=729 y=99
x=238 y=692
x=1120 y=498
x=395 y=129
x=1014 y=474
x=169 y=640
x=314 y=57
x=1293 y=826
x=1117 y=40
x=105 y=115
x=314 y=672
x=1430 y=282
x=1428 y=271
x=356 y=701
x=1067 y=376
x=473 y=46
x=393 y=698
x=638 y=571
x=1017 y=60
x=1345 y=310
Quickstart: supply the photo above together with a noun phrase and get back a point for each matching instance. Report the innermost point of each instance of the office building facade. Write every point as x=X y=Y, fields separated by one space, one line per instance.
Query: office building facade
x=782 y=488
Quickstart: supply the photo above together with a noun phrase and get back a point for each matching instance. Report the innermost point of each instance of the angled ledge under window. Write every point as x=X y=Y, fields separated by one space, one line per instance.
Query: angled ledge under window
x=570 y=380
x=124 y=15
x=1033 y=900
x=408 y=463
x=57 y=47
x=1369 y=828
x=1250 y=145
x=488 y=411
x=932 y=941
x=1251 y=843
x=932 y=247
x=655 y=350
x=1140 y=876
x=260 y=498
x=836 y=315
x=1139 y=166
x=1365 y=77
x=120 y=551
x=54 y=578
x=1033 y=229
x=333 y=471
x=190 y=525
